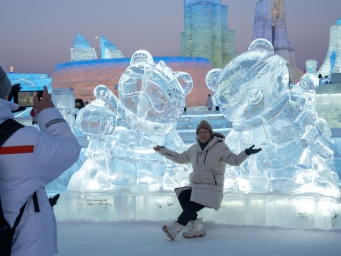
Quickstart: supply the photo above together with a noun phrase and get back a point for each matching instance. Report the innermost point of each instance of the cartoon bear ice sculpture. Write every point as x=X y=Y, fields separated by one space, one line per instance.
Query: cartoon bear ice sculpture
x=252 y=91
x=151 y=99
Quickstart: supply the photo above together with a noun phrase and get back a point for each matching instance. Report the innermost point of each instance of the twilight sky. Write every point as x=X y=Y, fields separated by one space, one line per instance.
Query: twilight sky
x=36 y=35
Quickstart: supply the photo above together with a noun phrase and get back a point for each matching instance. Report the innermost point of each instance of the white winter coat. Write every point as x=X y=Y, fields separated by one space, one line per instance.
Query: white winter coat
x=207 y=178
x=48 y=154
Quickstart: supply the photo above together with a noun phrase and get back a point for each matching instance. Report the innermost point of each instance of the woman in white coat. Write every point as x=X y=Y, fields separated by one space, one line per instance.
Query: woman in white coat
x=29 y=160
x=208 y=158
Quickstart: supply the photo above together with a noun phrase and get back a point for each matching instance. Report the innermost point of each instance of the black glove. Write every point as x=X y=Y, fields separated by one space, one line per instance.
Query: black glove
x=53 y=200
x=14 y=90
x=250 y=150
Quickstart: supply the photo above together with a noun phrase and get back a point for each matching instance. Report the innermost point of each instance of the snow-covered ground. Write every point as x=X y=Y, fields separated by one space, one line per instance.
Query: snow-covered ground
x=145 y=238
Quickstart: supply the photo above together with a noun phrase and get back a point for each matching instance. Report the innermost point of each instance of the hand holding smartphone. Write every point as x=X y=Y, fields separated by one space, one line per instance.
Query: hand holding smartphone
x=45 y=101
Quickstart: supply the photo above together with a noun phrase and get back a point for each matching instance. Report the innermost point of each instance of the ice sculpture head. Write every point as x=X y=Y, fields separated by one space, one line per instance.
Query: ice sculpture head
x=153 y=91
x=250 y=83
x=309 y=82
x=96 y=120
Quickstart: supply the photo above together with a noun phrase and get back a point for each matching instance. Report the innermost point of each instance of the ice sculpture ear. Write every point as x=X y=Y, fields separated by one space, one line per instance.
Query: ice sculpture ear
x=187 y=84
x=309 y=82
x=101 y=92
x=261 y=43
x=141 y=55
x=212 y=79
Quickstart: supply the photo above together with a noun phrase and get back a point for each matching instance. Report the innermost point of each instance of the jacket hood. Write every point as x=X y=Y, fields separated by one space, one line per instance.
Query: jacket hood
x=219 y=136
x=216 y=137
x=6 y=108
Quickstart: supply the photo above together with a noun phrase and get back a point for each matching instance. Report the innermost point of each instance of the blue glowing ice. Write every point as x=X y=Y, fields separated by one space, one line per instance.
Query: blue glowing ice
x=108 y=49
x=82 y=49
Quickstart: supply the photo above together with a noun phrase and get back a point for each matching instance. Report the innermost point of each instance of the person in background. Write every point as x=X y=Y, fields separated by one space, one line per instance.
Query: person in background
x=34 y=115
x=208 y=158
x=209 y=102
x=29 y=160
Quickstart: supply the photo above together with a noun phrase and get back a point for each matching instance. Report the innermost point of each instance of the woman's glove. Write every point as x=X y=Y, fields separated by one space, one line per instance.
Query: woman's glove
x=250 y=150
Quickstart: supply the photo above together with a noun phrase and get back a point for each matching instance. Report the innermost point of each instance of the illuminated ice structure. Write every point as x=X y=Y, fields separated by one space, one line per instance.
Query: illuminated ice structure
x=82 y=50
x=122 y=131
x=275 y=31
x=332 y=62
x=206 y=33
x=252 y=91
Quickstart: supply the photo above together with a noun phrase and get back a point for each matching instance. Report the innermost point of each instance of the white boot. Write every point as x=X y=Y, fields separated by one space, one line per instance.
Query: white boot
x=172 y=230
x=197 y=229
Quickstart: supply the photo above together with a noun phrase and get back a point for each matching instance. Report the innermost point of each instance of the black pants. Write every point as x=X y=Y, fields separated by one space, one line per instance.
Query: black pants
x=189 y=208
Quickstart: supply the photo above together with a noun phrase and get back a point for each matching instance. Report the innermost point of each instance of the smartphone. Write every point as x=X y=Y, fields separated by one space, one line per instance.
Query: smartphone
x=25 y=98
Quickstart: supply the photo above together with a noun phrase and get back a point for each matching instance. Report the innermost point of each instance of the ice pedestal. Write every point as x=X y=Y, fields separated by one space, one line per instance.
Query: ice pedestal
x=260 y=210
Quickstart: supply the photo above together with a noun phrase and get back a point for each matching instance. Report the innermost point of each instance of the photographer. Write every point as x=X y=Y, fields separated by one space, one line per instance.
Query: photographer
x=29 y=160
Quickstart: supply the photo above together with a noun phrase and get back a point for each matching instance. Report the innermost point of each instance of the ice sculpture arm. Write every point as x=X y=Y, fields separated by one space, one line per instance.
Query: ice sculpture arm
x=232 y=158
x=182 y=158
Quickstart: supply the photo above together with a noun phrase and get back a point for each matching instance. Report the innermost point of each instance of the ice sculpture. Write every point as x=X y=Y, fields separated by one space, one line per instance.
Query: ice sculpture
x=252 y=91
x=64 y=100
x=82 y=49
x=108 y=49
x=122 y=131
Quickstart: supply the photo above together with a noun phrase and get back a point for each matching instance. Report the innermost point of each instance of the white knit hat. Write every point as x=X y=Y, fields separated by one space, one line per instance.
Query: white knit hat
x=5 y=84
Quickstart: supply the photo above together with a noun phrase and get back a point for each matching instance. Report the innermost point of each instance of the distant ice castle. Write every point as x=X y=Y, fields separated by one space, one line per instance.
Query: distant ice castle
x=275 y=30
x=206 y=34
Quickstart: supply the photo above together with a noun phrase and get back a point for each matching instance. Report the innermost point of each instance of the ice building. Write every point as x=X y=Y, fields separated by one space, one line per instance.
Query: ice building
x=206 y=32
x=332 y=62
x=84 y=76
x=275 y=31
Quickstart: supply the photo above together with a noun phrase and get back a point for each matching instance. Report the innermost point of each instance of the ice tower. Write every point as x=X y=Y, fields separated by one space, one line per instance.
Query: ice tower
x=275 y=31
x=108 y=49
x=206 y=34
x=82 y=50
x=332 y=63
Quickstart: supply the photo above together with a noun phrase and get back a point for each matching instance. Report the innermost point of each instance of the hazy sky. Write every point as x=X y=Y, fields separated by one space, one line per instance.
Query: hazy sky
x=36 y=35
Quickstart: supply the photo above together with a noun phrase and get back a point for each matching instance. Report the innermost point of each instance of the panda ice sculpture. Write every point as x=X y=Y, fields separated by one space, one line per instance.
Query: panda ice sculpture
x=253 y=92
x=151 y=99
